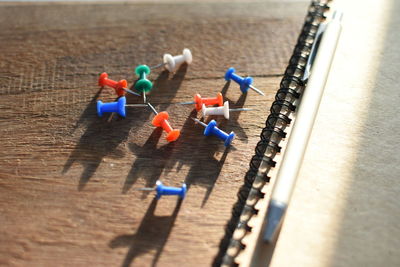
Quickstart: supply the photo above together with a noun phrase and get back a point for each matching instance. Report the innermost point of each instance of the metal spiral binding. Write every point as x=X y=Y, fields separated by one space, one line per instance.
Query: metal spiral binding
x=256 y=177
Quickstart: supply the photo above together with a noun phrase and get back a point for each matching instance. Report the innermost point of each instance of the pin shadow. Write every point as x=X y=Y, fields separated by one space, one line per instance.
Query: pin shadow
x=88 y=110
x=224 y=89
x=198 y=152
x=216 y=166
x=101 y=138
x=169 y=87
x=234 y=116
x=150 y=161
x=152 y=234
x=164 y=90
x=212 y=176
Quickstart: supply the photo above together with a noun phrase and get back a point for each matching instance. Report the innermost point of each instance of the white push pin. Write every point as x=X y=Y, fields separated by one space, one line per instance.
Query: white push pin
x=172 y=63
x=224 y=110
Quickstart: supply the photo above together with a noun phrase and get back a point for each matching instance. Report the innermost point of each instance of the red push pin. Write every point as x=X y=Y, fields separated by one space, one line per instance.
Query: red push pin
x=161 y=120
x=199 y=101
x=119 y=87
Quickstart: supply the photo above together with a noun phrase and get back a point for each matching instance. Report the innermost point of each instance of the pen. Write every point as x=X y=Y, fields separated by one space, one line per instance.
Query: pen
x=305 y=117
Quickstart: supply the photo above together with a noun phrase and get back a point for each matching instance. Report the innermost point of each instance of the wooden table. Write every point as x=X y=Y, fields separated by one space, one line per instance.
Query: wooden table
x=68 y=178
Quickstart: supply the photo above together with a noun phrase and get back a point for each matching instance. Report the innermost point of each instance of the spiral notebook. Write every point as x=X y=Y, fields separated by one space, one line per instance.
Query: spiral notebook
x=237 y=249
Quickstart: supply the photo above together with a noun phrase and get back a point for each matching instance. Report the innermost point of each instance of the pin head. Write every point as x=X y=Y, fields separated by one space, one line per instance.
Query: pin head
x=173 y=135
x=226 y=110
x=103 y=81
x=169 y=61
x=99 y=110
x=121 y=92
x=121 y=106
x=229 y=73
x=166 y=190
x=122 y=84
x=198 y=103
x=230 y=138
x=102 y=78
x=216 y=110
x=159 y=189
x=142 y=69
x=118 y=107
x=210 y=127
x=187 y=55
x=244 y=86
x=143 y=84
x=204 y=110
x=159 y=118
x=220 y=99
x=183 y=192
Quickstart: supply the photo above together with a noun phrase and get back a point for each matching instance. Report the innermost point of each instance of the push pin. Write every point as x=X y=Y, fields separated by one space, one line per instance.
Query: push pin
x=172 y=63
x=212 y=129
x=245 y=83
x=161 y=120
x=199 y=102
x=119 y=87
x=116 y=106
x=224 y=110
x=143 y=84
x=162 y=190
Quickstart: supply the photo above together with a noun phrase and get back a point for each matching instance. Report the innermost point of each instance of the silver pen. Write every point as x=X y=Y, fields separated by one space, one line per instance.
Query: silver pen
x=305 y=117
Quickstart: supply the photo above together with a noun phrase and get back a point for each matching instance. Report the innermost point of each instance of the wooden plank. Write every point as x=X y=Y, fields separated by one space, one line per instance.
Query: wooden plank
x=67 y=178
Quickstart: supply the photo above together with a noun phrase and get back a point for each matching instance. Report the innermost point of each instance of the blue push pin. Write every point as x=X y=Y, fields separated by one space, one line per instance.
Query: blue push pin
x=212 y=129
x=245 y=83
x=162 y=190
x=169 y=190
x=117 y=106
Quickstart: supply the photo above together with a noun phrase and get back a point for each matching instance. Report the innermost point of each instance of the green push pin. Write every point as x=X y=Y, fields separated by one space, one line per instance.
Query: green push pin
x=143 y=85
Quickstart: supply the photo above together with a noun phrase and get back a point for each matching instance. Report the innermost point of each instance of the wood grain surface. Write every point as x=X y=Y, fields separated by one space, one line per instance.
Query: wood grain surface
x=68 y=178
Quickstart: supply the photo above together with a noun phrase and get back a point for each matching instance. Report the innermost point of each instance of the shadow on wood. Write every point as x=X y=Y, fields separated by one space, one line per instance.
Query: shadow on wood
x=152 y=234
x=150 y=161
x=234 y=116
x=197 y=152
x=89 y=110
x=102 y=138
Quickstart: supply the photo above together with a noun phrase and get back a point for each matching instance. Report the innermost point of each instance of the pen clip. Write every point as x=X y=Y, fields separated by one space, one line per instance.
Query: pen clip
x=314 y=50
